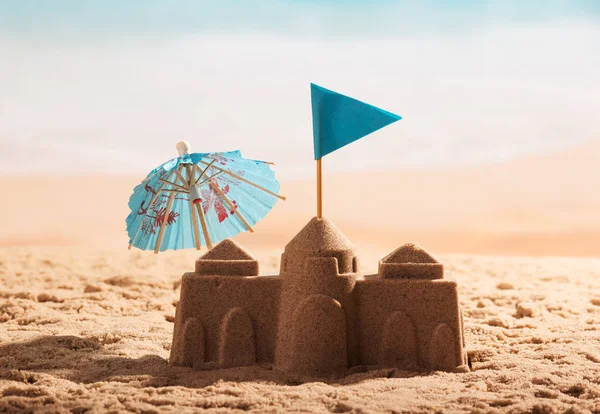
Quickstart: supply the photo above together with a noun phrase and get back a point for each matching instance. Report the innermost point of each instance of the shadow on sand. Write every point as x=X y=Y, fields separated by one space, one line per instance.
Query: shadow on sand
x=86 y=361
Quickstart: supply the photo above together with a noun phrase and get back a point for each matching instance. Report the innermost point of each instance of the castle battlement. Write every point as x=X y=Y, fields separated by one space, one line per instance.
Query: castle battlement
x=320 y=317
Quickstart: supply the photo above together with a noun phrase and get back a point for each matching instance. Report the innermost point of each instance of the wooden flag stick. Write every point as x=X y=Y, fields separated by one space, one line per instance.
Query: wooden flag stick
x=164 y=223
x=231 y=206
x=204 y=226
x=319 y=190
x=246 y=181
x=191 y=173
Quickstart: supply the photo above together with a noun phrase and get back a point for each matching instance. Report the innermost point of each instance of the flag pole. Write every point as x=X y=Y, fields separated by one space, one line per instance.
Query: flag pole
x=319 y=191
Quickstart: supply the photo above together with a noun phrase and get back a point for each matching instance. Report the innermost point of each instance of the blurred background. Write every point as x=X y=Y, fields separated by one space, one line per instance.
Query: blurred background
x=498 y=151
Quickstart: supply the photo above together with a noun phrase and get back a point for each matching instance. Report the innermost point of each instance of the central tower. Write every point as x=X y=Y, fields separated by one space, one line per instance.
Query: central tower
x=317 y=311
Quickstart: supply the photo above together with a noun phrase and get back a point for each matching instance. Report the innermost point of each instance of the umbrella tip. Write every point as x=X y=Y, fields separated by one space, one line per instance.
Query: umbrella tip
x=183 y=147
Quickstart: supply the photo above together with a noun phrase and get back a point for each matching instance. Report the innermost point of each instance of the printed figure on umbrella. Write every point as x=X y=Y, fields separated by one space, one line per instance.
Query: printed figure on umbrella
x=199 y=199
x=158 y=210
x=210 y=200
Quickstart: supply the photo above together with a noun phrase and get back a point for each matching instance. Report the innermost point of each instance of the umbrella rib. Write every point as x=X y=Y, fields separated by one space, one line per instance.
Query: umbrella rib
x=231 y=206
x=180 y=177
x=246 y=181
x=173 y=190
x=204 y=225
x=193 y=174
x=164 y=223
x=195 y=225
x=204 y=171
x=210 y=178
x=175 y=185
x=150 y=205
x=190 y=171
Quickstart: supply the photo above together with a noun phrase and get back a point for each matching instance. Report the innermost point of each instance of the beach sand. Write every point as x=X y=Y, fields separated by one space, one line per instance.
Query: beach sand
x=92 y=331
x=86 y=325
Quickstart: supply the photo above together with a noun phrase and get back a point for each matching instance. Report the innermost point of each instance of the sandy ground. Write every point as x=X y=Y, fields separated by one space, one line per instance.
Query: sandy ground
x=86 y=325
x=91 y=332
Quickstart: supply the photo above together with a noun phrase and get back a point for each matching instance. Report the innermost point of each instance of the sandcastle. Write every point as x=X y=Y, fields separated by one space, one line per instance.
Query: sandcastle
x=320 y=317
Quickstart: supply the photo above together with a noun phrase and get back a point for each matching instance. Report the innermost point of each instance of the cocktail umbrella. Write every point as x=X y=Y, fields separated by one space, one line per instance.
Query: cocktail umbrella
x=199 y=199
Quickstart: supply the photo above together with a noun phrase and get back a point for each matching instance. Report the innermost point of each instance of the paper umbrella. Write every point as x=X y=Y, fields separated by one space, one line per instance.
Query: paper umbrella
x=200 y=199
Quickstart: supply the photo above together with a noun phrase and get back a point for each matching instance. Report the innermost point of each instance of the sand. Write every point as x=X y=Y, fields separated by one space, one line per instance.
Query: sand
x=86 y=326
x=87 y=331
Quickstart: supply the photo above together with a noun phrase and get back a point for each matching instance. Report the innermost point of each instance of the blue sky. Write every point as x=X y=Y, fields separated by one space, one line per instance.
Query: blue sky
x=101 y=86
x=354 y=17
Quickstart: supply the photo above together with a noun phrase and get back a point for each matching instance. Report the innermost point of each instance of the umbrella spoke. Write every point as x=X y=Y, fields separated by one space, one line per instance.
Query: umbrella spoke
x=211 y=177
x=244 y=180
x=195 y=225
x=195 y=169
x=204 y=225
x=190 y=171
x=231 y=206
x=175 y=185
x=204 y=171
x=164 y=223
x=174 y=190
x=180 y=177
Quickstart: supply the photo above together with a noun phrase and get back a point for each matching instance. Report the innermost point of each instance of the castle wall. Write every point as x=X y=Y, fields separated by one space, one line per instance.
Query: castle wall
x=431 y=306
x=210 y=300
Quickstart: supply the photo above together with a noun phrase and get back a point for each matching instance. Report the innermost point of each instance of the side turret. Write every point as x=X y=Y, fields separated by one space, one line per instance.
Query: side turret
x=422 y=330
x=410 y=262
x=227 y=315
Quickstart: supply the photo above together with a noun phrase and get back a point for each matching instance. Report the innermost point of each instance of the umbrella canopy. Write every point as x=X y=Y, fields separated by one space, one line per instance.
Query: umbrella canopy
x=199 y=199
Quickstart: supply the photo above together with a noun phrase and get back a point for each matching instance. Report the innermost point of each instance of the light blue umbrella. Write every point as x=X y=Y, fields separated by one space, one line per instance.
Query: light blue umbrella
x=199 y=199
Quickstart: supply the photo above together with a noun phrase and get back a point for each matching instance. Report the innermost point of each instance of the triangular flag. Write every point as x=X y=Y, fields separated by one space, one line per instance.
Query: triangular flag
x=339 y=120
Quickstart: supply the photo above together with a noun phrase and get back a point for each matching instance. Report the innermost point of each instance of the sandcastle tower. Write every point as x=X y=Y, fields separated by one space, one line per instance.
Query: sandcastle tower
x=316 y=324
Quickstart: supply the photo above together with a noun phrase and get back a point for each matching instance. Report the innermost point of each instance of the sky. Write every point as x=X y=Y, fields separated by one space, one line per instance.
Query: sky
x=110 y=86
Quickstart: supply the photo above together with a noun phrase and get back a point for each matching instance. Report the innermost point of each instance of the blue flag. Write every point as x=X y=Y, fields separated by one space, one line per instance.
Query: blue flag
x=339 y=120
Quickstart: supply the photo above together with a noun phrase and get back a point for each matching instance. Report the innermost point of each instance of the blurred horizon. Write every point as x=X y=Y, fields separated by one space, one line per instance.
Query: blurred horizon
x=110 y=87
